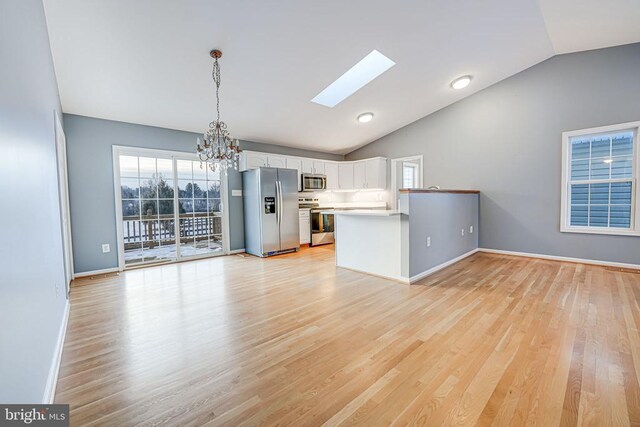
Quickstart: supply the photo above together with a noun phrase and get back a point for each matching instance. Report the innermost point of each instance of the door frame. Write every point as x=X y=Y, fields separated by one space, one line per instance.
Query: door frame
x=117 y=151
x=394 y=163
x=63 y=197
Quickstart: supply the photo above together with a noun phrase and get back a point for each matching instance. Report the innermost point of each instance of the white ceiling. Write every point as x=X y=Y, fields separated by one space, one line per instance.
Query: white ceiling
x=147 y=61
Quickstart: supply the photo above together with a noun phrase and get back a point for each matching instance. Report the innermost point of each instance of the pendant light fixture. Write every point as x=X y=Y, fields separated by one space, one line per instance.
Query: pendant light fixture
x=218 y=149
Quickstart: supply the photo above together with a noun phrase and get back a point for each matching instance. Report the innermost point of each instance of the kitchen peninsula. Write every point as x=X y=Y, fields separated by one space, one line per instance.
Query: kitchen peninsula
x=431 y=230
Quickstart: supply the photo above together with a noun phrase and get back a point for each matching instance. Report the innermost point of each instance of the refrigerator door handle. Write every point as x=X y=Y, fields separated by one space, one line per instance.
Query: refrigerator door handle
x=277 y=203
x=280 y=201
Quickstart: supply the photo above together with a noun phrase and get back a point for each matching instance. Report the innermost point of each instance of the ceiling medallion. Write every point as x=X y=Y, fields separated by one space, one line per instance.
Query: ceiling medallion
x=218 y=149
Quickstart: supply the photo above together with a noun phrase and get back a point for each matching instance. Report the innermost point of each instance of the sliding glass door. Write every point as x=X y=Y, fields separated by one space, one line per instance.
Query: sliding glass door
x=170 y=208
x=199 y=209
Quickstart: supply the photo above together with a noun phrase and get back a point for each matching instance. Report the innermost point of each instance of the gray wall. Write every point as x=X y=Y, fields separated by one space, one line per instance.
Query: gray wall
x=31 y=311
x=506 y=142
x=441 y=217
x=92 y=198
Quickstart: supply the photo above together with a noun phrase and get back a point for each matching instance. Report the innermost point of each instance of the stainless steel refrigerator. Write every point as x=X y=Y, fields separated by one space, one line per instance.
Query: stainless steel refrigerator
x=271 y=219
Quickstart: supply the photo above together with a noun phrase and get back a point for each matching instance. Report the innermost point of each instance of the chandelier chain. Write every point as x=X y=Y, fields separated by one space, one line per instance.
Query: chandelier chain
x=215 y=73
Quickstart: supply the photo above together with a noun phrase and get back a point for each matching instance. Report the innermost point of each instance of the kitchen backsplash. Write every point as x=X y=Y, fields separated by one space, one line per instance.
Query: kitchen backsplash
x=351 y=199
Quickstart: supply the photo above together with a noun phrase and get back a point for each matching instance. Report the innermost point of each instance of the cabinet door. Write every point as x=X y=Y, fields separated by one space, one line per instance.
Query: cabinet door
x=305 y=226
x=318 y=167
x=276 y=161
x=360 y=174
x=376 y=173
x=255 y=160
x=345 y=176
x=296 y=163
x=331 y=171
x=307 y=166
x=305 y=230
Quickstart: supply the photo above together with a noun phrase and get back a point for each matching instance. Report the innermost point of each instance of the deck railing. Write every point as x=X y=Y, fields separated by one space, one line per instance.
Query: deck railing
x=161 y=229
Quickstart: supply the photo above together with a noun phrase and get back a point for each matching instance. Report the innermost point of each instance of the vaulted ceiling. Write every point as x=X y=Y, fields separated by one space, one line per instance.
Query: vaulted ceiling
x=147 y=61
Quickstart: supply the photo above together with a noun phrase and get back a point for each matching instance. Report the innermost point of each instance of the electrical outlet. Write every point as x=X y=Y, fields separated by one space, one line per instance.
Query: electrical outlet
x=106 y=248
x=428 y=241
x=462 y=232
x=471 y=229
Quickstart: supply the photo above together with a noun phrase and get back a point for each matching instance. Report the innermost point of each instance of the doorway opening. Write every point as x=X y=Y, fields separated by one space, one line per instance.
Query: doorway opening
x=406 y=172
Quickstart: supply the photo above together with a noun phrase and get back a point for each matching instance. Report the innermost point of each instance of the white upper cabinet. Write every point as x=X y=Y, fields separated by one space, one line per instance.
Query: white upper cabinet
x=356 y=175
x=307 y=166
x=359 y=175
x=376 y=173
x=296 y=163
x=315 y=167
x=252 y=160
x=318 y=167
x=276 y=161
x=331 y=171
x=345 y=176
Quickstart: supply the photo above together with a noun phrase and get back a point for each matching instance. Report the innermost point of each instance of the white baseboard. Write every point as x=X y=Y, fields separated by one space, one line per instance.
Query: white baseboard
x=438 y=267
x=237 y=251
x=562 y=258
x=382 y=276
x=95 y=272
x=419 y=276
x=52 y=380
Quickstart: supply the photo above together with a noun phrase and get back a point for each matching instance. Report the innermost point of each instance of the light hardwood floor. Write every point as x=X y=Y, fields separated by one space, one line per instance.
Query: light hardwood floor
x=292 y=340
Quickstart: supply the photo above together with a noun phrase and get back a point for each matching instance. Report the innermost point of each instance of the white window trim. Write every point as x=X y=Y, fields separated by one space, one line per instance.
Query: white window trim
x=394 y=166
x=566 y=170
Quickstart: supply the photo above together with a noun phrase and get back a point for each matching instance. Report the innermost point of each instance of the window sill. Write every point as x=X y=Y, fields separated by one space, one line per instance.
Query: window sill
x=606 y=231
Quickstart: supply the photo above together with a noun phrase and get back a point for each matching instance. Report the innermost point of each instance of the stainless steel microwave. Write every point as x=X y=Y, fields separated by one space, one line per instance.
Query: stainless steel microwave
x=311 y=182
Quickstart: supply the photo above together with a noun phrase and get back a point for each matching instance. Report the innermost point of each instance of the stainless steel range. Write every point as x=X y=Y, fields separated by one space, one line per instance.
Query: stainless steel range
x=322 y=231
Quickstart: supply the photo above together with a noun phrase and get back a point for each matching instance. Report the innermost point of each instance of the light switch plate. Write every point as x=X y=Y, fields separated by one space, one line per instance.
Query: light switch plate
x=236 y=193
x=106 y=248
x=471 y=229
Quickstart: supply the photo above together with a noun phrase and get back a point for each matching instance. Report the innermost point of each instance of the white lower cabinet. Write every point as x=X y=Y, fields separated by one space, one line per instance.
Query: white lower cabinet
x=305 y=226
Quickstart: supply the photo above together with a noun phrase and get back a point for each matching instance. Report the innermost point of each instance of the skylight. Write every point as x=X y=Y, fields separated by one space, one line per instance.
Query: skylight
x=370 y=67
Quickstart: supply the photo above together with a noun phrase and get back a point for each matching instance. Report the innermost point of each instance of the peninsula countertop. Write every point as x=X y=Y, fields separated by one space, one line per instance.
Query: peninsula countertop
x=361 y=212
x=433 y=190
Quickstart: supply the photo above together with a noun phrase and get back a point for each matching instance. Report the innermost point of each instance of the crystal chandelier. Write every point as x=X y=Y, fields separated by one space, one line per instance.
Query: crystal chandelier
x=218 y=149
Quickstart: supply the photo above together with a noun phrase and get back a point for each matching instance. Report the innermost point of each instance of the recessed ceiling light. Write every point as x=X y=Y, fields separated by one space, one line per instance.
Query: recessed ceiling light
x=609 y=160
x=370 y=67
x=461 y=82
x=365 y=117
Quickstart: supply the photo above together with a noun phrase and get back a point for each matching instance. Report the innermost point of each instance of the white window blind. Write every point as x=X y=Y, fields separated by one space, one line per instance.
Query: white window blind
x=600 y=185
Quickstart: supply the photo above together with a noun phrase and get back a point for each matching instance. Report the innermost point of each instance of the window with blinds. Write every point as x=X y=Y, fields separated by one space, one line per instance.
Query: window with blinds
x=600 y=175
